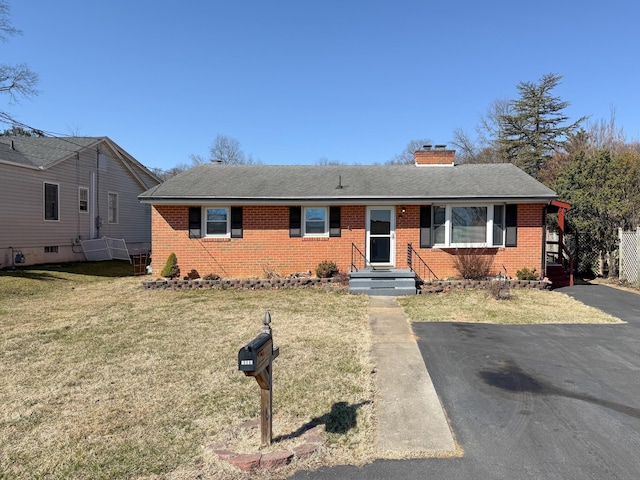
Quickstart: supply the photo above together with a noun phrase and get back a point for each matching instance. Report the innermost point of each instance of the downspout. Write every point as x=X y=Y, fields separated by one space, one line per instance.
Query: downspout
x=98 y=220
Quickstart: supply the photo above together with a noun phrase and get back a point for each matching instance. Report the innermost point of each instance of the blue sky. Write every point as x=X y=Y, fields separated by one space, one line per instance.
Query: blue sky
x=295 y=81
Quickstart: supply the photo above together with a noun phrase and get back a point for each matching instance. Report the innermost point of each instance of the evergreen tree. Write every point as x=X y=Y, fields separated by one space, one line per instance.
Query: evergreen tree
x=533 y=128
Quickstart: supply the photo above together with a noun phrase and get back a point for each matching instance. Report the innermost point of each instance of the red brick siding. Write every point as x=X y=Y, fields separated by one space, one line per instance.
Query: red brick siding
x=266 y=246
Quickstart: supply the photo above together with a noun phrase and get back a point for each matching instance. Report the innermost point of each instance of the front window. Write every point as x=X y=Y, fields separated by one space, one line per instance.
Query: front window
x=51 y=201
x=113 y=207
x=217 y=222
x=469 y=225
x=461 y=226
x=315 y=221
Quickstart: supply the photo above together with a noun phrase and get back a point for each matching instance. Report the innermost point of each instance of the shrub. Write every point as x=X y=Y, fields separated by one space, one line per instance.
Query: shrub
x=472 y=264
x=526 y=274
x=499 y=289
x=326 y=269
x=211 y=276
x=171 y=268
x=192 y=275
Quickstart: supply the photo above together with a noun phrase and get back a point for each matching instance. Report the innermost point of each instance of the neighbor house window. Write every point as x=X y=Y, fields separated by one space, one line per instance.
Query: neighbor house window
x=113 y=207
x=51 y=201
x=461 y=226
x=315 y=221
x=83 y=199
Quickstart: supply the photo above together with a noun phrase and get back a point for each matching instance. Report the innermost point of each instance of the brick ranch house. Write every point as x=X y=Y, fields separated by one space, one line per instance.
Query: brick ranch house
x=240 y=221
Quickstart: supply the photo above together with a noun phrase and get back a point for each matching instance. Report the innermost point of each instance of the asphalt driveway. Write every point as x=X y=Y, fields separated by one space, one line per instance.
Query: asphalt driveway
x=543 y=402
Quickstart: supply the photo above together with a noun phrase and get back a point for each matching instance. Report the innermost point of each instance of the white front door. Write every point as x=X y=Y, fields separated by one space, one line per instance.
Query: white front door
x=381 y=236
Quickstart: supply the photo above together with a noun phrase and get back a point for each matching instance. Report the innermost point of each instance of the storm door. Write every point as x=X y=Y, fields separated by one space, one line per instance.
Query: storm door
x=381 y=236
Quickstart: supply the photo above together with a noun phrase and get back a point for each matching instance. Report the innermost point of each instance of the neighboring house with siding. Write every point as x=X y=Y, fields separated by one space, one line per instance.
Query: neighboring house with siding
x=55 y=192
x=252 y=220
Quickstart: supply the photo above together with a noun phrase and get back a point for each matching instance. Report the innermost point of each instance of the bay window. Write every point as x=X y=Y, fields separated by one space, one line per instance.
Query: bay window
x=468 y=226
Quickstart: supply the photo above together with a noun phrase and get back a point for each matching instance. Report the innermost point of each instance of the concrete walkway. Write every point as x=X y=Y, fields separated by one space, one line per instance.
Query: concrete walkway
x=410 y=416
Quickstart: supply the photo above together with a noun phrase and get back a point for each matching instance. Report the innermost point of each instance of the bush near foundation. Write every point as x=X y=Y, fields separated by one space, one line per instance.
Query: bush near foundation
x=326 y=269
x=171 y=268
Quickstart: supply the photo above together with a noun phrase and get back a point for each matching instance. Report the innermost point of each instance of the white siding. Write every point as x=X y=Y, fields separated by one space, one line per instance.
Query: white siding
x=22 y=224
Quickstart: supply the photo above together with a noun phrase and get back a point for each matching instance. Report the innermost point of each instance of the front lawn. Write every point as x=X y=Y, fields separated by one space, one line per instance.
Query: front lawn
x=523 y=307
x=104 y=379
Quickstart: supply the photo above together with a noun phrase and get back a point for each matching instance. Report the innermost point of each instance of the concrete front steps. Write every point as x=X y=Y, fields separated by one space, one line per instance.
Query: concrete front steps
x=387 y=282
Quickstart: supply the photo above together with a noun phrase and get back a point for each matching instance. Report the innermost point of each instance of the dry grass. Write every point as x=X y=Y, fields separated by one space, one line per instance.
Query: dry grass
x=104 y=379
x=524 y=307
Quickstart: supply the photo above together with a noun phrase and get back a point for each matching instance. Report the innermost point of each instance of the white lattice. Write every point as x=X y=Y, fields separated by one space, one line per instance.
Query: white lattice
x=629 y=262
x=105 y=248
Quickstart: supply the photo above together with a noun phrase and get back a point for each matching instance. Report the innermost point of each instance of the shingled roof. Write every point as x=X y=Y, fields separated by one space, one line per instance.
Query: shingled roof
x=42 y=152
x=269 y=184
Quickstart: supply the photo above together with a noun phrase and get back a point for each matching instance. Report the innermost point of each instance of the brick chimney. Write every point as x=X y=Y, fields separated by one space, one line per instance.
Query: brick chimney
x=436 y=156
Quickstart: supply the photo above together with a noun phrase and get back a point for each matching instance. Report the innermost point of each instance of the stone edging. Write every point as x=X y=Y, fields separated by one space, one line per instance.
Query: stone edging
x=247 y=284
x=437 y=286
x=271 y=461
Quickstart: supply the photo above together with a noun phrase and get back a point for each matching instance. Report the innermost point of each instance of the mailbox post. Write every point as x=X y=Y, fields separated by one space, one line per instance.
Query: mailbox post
x=255 y=359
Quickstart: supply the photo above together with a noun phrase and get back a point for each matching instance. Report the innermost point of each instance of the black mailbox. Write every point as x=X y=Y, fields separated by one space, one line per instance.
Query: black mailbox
x=255 y=356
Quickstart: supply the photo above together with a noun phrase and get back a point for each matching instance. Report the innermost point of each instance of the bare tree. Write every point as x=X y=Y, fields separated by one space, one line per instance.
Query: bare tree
x=324 y=161
x=406 y=157
x=15 y=80
x=224 y=150
x=172 y=172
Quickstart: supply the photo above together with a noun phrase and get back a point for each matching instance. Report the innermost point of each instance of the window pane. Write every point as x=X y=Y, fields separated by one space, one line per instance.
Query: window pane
x=380 y=222
x=84 y=200
x=439 y=215
x=439 y=234
x=216 y=221
x=439 y=229
x=380 y=249
x=315 y=220
x=50 y=201
x=469 y=225
x=113 y=208
x=498 y=224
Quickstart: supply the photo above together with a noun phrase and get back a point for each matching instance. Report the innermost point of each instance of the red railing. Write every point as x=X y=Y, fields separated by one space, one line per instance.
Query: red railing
x=567 y=262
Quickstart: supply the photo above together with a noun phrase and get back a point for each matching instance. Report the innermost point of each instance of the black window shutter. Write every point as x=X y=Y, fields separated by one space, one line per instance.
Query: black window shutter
x=511 y=225
x=334 y=222
x=295 y=216
x=195 y=219
x=425 y=226
x=236 y=222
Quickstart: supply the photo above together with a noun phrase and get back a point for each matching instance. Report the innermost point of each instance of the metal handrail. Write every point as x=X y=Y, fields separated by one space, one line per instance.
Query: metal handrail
x=355 y=254
x=422 y=265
